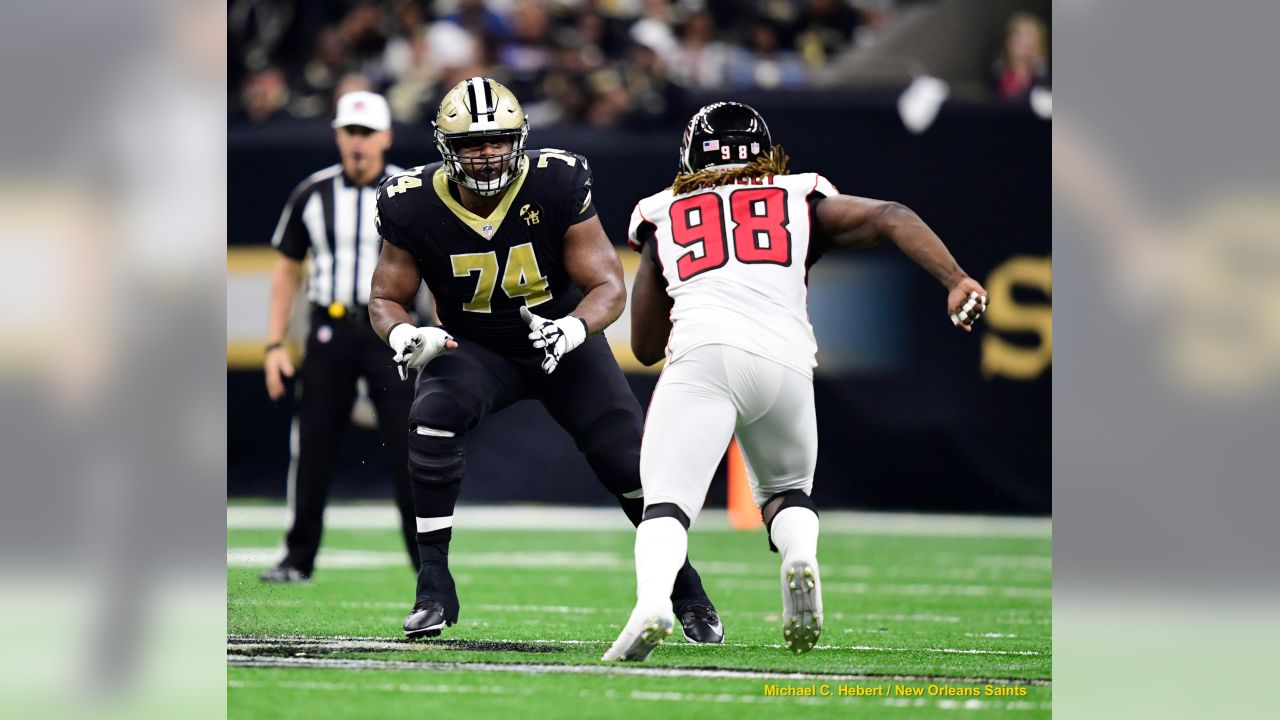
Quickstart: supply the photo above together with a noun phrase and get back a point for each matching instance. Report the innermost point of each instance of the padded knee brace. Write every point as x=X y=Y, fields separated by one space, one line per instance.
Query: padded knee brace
x=436 y=466
x=436 y=460
x=436 y=448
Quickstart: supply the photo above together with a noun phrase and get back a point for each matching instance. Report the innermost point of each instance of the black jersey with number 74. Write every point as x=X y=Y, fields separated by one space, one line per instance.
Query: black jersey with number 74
x=482 y=270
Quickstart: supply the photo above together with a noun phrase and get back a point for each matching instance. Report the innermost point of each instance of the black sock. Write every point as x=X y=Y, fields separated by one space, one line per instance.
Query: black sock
x=433 y=547
x=434 y=579
x=688 y=587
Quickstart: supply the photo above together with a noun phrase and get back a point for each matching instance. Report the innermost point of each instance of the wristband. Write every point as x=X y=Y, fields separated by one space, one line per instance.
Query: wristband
x=391 y=332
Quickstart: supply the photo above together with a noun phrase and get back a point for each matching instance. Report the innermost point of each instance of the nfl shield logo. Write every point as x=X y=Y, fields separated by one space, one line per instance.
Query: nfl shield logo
x=755 y=148
x=487 y=231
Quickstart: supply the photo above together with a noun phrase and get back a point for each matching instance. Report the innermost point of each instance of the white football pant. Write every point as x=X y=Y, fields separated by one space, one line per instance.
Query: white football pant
x=715 y=392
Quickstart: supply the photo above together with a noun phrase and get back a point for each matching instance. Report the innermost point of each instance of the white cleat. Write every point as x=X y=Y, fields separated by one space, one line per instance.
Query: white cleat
x=638 y=640
x=801 y=606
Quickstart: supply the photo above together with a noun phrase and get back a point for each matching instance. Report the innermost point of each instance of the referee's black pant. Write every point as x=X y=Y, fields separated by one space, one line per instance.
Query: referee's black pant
x=339 y=351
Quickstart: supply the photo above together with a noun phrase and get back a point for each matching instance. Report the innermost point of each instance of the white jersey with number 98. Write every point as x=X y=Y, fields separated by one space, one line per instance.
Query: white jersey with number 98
x=735 y=258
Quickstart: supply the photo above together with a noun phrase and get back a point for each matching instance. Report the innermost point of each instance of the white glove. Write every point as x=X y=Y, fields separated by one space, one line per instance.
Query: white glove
x=416 y=346
x=555 y=337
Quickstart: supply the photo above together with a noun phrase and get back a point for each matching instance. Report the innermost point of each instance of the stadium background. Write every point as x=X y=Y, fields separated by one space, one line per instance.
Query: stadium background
x=900 y=393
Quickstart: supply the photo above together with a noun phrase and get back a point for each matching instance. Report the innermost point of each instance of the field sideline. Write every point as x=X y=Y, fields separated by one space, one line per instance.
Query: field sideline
x=934 y=605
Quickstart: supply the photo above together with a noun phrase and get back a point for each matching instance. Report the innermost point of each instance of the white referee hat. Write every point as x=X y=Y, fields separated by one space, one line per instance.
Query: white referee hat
x=363 y=108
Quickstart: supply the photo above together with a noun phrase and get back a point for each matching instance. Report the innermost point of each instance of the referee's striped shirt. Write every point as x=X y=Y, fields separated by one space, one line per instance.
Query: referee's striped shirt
x=333 y=220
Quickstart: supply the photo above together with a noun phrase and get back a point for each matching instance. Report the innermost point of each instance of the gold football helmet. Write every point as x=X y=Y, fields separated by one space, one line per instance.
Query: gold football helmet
x=475 y=110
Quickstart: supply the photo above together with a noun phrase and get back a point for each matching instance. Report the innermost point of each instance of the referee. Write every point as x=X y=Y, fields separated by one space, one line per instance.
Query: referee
x=331 y=216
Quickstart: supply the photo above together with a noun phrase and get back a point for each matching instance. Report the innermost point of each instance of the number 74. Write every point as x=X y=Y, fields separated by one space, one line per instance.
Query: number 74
x=522 y=278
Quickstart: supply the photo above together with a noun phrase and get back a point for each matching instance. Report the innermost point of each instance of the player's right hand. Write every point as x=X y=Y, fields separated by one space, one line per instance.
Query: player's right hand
x=278 y=366
x=416 y=346
x=966 y=302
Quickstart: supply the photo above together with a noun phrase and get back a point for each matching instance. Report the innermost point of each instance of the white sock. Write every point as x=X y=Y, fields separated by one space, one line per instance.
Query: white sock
x=795 y=532
x=661 y=546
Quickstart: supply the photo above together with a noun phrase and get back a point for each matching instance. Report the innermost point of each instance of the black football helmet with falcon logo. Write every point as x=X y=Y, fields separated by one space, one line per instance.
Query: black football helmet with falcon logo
x=724 y=134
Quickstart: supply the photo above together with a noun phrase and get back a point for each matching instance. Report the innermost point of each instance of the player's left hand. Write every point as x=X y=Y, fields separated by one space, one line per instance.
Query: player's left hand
x=555 y=337
x=965 y=303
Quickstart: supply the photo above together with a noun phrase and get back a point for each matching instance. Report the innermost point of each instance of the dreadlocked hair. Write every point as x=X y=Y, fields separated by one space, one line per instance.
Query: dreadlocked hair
x=775 y=163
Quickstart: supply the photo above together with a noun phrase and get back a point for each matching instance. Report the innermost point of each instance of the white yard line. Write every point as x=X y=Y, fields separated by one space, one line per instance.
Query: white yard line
x=918 y=617
x=380 y=687
x=346 y=644
x=616 y=612
x=340 y=558
x=731 y=576
x=336 y=558
x=909 y=590
x=404 y=606
x=237 y=660
x=560 y=517
x=329 y=559
x=553 y=609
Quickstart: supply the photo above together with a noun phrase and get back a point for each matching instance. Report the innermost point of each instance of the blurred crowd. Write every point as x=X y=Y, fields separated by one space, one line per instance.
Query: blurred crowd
x=593 y=62
x=1023 y=62
x=599 y=63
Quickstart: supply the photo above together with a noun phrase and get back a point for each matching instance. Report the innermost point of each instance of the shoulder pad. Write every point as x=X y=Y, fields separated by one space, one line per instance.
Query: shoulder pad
x=400 y=191
x=812 y=183
x=639 y=227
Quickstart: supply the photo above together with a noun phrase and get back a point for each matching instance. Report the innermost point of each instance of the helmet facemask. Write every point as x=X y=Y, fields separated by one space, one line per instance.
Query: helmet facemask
x=470 y=172
x=476 y=110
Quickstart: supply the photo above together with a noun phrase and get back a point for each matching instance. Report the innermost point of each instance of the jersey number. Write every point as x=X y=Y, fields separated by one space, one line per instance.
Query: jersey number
x=405 y=181
x=760 y=232
x=521 y=278
x=547 y=153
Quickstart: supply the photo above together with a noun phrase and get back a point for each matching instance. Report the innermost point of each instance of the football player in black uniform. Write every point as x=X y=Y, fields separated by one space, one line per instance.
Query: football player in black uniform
x=525 y=280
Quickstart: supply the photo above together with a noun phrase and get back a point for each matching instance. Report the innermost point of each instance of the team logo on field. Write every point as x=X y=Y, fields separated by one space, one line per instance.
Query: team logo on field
x=531 y=214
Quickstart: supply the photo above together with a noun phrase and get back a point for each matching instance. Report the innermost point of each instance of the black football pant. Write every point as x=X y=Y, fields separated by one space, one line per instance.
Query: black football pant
x=338 y=353
x=587 y=395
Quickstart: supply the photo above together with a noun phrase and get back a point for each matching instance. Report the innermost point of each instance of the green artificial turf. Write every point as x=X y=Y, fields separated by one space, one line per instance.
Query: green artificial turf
x=947 y=612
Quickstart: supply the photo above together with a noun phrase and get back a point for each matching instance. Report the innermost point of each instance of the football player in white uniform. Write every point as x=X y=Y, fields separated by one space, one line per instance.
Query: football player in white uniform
x=721 y=293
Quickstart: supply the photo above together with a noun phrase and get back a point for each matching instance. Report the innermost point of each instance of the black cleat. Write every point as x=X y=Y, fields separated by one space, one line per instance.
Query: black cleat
x=426 y=620
x=700 y=623
x=286 y=573
x=697 y=616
